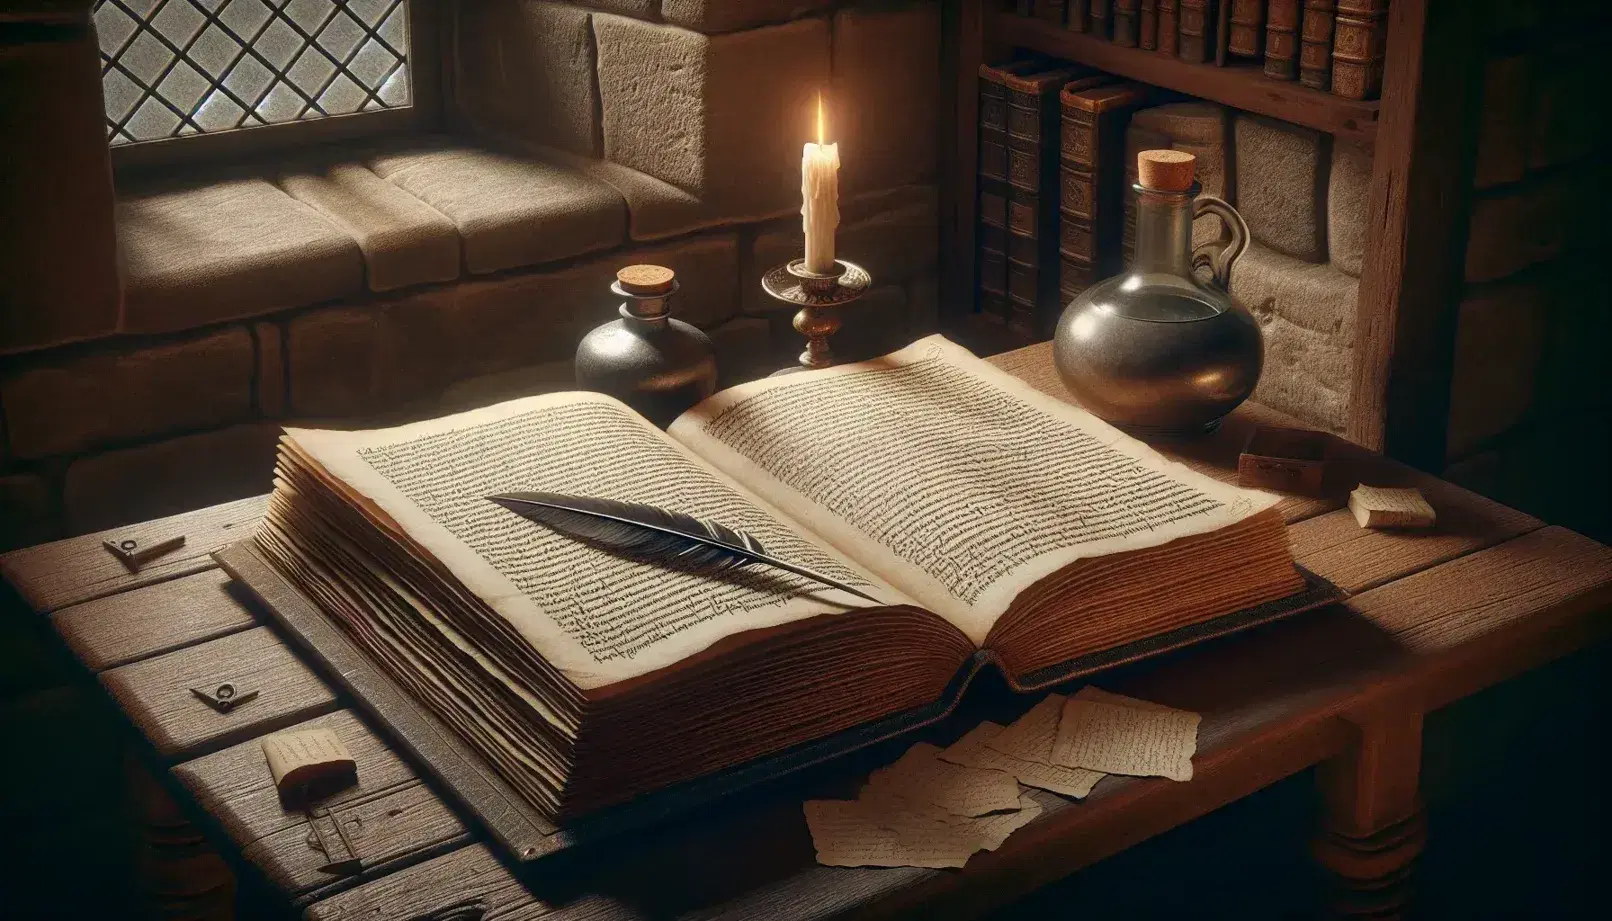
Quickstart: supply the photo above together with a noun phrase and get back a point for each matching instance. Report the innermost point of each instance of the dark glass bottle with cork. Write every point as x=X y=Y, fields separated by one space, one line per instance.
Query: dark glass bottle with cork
x=658 y=365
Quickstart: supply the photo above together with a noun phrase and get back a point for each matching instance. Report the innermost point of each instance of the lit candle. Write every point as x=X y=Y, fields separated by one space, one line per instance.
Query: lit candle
x=820 y=195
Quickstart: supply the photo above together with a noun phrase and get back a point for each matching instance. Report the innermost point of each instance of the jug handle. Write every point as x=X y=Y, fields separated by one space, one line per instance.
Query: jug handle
x=1222 y=253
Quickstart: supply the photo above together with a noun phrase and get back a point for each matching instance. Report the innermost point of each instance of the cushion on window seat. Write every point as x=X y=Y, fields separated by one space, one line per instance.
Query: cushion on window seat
x=230 y=249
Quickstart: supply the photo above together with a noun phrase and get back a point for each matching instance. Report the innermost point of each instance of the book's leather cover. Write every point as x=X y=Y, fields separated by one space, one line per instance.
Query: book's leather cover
x=1359 y=40
x=1315 y=45
x=1169 y=20
x=1282 y=39
x=1247 y=28
x=1196 y=31
x=528 y=837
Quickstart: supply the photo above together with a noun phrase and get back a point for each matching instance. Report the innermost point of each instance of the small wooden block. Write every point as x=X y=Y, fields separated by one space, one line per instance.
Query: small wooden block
x=308 y=764
x=1380 y=507
x=1284 y=459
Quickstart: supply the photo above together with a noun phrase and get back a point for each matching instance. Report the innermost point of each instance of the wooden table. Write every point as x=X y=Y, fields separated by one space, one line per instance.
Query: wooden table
x=1434 y=618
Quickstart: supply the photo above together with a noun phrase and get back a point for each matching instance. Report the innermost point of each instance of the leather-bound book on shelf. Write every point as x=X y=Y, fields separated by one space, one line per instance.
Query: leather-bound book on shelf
x=1169 y=24
x=1053 y=11
x=1246 y=24
x=1127 y=22
x=1196 y=33
x=1359 y=43
x=940 y=517
x=1282 y=39
x=1148 y=26
x=1078 y=18
x=1092 y=182
x=1315 y=44
x=1032 y=203
x=992 y=235
x=1102 y=17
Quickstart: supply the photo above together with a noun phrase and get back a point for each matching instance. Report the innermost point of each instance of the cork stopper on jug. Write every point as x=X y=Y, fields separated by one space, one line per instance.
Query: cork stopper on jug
x=1165 y=170
x=646 y=280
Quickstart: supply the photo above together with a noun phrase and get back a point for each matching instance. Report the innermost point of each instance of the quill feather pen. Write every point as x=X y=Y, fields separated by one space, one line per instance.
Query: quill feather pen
x=637 y=529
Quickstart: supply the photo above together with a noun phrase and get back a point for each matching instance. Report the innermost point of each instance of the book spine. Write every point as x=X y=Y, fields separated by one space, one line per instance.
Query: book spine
x=1282 y=39
x=1032 y=217
x=1127 y=27
x=1052 y=11
x=1101 y=17
x=1148 y=36
x=1197 y=31
x=1169 y=20
x=1315 y=44
x=1359 y=35
x=993 y=198
x=1077 y=20
x=1247 y=23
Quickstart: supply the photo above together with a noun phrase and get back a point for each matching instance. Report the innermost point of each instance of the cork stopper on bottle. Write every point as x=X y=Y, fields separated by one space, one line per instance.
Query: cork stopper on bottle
x=1165 y=170
x=646 y=280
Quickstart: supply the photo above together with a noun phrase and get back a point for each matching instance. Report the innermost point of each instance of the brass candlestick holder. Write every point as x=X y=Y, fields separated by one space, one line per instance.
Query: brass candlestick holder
x=819 y=295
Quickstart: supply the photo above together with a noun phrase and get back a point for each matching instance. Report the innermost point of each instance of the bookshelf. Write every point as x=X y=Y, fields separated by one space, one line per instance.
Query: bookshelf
x=1239 y=86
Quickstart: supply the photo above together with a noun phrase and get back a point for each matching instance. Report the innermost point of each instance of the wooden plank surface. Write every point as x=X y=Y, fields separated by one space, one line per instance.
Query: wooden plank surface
x=138 y=624
x=78 y=569
x=1421 y=181
x=155 y=693
x=1242 y=86
x=453 y=886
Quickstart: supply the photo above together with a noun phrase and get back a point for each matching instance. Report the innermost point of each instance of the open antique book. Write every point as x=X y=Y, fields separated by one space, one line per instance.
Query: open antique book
x=994 y=523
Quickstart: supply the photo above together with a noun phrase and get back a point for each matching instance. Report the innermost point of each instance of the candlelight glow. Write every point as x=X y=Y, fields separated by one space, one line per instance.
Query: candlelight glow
x=820 y=131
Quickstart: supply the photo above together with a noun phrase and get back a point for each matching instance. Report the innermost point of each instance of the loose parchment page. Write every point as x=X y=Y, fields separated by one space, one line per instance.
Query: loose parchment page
x=974 y=750
x=957 y=483
x=1122 y=739
x=598 y=617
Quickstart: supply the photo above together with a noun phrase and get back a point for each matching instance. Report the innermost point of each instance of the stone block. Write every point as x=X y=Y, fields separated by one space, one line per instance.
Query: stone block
x=510 y=211
x=1499 y=343
x=404 y=241
x=58 y=256
x=1307 y=314
x=70 y=404
x=872 y=326
x=229 y=249
x=895 y=235
x=525 y=69
x=270 y=369
x=169 y=477
x=1568 y=123
x=28 y=513
x=1518 y=226
x=534 y=318
x=658 y=209
x=1281 y=185
x=743 y=350
x=1503 y=127
x=1348 y=194
x=885 y=102
x=712 y=16
x=347 y=361
x=721 y=117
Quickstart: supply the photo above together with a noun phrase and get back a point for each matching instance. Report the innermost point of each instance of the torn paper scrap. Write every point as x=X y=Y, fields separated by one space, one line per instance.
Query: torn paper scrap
x=919 y=776
x=1381 y=507
x=848 y=833
x=309 y=760
x=989 y=832
x=1030 y=737
x=1117 y=739
x=974 y=750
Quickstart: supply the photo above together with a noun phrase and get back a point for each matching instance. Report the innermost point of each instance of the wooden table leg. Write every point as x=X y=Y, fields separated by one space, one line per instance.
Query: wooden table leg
x=1373 y=824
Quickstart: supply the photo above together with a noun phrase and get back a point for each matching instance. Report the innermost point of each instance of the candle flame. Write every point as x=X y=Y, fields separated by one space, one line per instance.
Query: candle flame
x=820 y=131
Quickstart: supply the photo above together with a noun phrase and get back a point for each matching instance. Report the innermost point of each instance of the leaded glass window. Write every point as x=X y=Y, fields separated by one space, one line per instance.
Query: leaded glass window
x=180 y=67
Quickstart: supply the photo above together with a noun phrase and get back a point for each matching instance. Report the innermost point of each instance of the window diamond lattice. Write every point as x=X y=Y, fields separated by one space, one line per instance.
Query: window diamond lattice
x=177 y=67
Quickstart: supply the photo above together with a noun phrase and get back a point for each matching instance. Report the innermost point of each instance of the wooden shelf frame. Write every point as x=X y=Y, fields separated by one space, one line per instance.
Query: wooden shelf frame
x=1241 y=86
x=1423 y=133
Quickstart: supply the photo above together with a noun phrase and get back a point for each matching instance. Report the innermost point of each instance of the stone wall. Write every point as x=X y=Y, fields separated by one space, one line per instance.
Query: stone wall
x=403 y=277
x=1303 y=194
x=1531 y=398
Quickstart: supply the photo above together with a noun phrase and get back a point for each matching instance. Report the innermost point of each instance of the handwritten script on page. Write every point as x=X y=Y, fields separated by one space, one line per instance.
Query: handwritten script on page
x=1121 y=739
